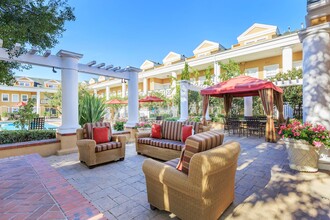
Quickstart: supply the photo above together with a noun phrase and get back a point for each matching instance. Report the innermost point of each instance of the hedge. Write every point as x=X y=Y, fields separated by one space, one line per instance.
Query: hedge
x=9 y=137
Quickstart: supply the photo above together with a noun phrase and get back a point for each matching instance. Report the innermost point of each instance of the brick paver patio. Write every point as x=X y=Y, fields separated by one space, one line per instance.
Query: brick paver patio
x=265 y=186
x=31 y=189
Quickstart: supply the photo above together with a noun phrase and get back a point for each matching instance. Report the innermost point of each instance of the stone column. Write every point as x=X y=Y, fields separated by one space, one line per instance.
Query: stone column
x=217 y=71
x=286 y=59
x=107 y=93
x=248 y=106
x=123 y=89
x=69 y=78
x=145 y=86
x=133 y=100
x=184 y=100
x=38 y=102
x=316 y=74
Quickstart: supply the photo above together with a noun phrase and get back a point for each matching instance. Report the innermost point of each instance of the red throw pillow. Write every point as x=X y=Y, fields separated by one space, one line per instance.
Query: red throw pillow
x=186 y=132
x=101 y=134
x=156 y=131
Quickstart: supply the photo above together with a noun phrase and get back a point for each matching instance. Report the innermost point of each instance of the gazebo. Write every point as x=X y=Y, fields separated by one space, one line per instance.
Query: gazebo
x=243 y=86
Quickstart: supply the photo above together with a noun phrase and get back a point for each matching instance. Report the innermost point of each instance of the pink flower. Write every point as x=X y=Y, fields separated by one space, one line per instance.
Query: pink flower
x=317 y=144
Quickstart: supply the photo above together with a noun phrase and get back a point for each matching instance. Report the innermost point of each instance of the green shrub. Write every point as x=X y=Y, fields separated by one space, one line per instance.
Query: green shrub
x=9 y=137
x=119 y=125
x=171 y=119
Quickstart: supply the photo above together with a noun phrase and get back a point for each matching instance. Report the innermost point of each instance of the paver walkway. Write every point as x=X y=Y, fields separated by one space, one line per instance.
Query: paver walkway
x=265 y=186
x=31 y=189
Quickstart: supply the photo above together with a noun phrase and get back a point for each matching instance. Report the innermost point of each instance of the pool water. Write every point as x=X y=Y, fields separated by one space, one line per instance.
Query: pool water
x=10 y=126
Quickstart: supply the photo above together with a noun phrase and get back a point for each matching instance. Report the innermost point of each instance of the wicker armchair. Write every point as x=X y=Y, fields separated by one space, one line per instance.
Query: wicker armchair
x=93 y=154
x=204 y=193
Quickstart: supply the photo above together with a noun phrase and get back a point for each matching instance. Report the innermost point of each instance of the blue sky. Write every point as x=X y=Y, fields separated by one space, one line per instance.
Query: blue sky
x=127 y=32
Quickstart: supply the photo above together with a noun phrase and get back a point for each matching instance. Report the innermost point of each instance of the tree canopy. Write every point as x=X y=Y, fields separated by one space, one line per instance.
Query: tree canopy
x=34 y=23
x=229 y=70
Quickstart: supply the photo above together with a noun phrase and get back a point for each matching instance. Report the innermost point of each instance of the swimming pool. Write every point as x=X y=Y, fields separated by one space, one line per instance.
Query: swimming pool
x=10 y=126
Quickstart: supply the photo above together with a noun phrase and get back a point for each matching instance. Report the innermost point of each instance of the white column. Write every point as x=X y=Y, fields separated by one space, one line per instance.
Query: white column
x=107 y=93
x=69 y=78
x=217 y=71
x=123 y=90
x=316 y=74
x=145 y=86
x=95 y=92
x=248 y=106
x=207 y=114
x=286 y=59
x=133 y=100
x=184 y=100
x=38 y=102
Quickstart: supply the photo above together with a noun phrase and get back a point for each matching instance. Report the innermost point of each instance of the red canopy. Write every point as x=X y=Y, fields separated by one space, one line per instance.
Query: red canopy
x=116 y=101
x=240 y=86
x=151 y=99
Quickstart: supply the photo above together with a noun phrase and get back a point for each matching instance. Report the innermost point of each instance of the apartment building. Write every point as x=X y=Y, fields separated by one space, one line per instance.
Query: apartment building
x=26 y=88
x=261 y=51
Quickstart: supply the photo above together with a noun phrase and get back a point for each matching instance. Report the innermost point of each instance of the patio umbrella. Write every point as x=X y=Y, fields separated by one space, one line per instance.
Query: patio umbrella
x=116 y=101
x=21 y=104
x=151 y=99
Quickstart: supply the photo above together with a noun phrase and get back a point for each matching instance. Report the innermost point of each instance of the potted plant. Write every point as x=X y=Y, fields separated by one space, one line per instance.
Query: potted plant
x=143 y=126
x=4 y=116
x=303 y=143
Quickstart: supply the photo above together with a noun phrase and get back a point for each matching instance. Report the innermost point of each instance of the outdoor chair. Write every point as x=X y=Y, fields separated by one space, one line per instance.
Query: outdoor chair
x=208 y=188
x=37 y=124
x=235 y=126
x=92 y=153
x=253 y=127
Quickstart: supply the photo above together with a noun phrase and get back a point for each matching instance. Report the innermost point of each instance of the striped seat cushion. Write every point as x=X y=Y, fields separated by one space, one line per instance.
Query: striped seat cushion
x=171 y=130
x=107 y=146
x=198 y=143
x=88 y=129
x=162 y=143
x=173 y=163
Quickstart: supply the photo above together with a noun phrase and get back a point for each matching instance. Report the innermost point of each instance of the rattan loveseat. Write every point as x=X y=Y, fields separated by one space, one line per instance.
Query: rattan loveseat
x=170 y=146
x=93 y=154
x=208 y=188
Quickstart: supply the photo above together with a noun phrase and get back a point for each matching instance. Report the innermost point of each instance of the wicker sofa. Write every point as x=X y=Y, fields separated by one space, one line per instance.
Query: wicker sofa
x=170 y=146
x=208 y=188
x=93 y=154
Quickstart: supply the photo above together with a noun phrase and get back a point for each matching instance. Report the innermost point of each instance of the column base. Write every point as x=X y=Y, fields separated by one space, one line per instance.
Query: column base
x=132 y=131
x=68 y=143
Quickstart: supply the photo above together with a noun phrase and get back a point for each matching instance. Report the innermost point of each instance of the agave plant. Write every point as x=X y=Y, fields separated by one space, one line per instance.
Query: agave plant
x=91 y=109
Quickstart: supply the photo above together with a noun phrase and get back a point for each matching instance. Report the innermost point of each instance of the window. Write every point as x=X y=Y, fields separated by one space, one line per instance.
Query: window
x=34 y=97
x=24 y=84
x=25 y=98
x=5 y=97
x=297 y=64
x=14 y=109
x=253 y=72
x=15 y=98
x=271 y=70
x=52 y=86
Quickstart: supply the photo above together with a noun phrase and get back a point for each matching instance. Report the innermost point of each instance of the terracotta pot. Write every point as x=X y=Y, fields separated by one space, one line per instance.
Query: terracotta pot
x=302 y=155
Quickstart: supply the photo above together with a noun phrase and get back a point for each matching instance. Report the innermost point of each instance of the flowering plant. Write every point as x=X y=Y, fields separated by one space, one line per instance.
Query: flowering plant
x=143 y=125
x=317 y=135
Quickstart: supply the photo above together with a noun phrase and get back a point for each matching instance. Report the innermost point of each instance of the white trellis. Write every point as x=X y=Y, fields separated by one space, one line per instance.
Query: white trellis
x=68 y=63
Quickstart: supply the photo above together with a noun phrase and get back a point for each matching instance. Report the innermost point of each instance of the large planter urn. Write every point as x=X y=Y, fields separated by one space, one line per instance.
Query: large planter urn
x=144 y=129
x=302 y=155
